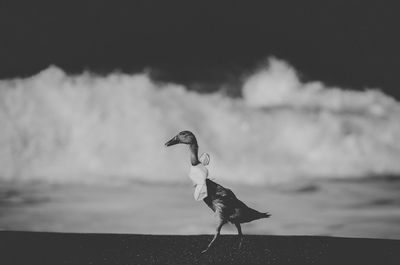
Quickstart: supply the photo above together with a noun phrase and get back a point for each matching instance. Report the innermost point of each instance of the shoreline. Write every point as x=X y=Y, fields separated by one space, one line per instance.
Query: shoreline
x=20 y=248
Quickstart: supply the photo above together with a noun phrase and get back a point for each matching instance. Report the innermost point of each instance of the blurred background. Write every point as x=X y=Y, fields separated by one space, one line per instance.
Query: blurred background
x=296 y=103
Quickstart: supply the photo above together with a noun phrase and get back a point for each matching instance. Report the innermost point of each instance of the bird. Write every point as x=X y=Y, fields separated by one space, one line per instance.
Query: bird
x=221 y=200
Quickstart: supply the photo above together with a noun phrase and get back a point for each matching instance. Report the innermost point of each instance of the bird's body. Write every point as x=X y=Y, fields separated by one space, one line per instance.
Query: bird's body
x=227 y=207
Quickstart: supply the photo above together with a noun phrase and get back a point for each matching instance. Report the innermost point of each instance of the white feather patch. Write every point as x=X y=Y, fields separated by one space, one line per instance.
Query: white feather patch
x=205 y=159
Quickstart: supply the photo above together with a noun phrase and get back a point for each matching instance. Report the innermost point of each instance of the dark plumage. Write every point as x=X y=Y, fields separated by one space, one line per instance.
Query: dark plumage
x=221 y=200
x=229 y=208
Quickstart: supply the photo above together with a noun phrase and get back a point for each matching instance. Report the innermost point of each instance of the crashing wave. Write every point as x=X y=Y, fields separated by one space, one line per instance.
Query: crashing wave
x=59 y=127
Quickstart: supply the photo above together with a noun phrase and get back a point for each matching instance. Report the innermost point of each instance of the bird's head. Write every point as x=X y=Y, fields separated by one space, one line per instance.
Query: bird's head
x=184 y=137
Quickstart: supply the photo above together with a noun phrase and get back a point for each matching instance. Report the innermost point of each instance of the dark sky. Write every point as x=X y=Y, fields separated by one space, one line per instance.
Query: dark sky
x=354 y=44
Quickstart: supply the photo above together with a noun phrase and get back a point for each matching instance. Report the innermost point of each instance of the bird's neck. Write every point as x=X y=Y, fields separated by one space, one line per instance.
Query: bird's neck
x=194 y=150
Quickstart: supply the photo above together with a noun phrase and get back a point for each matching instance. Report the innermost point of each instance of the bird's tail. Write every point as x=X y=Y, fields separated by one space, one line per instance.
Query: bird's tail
x=265 y=215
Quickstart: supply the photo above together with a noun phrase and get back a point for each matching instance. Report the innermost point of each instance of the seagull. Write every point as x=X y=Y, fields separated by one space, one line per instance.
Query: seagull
x=227 y=207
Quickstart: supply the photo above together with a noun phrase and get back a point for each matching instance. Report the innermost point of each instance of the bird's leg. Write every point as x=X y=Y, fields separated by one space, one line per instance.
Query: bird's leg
x=218 y=231
x=240 y=235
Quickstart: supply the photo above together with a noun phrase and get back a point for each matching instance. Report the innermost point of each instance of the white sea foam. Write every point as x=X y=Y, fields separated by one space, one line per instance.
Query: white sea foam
x=59 y=127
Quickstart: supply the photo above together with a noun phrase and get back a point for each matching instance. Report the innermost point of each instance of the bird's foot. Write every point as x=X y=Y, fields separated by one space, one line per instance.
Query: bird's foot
x=204 y=251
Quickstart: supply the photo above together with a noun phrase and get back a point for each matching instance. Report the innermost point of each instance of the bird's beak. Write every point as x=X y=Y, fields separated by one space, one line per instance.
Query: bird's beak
x=173 y=141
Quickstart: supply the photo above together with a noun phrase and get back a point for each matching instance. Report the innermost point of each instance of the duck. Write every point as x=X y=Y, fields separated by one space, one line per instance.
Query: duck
x=226 y=206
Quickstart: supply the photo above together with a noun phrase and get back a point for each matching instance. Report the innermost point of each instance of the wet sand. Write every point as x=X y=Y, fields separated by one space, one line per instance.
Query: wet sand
x=20 y=248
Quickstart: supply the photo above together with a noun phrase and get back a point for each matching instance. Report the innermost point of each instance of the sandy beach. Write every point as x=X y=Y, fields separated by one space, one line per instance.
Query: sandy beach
x=20 y=248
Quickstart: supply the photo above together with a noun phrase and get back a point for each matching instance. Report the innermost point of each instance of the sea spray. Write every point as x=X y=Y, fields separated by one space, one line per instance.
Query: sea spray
x=60 y=128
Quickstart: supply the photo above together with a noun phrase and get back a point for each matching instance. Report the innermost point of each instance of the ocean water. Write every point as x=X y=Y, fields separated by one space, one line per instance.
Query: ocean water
x=335 y=208
x=85 y=153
